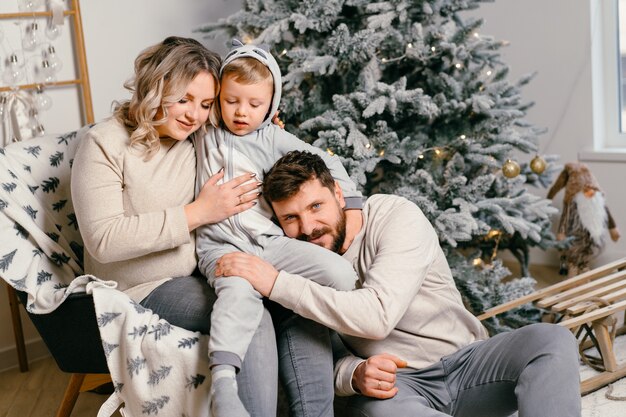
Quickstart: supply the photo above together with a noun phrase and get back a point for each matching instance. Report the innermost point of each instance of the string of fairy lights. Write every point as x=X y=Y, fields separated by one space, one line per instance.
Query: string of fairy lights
x=33 y=62
x=510 y=168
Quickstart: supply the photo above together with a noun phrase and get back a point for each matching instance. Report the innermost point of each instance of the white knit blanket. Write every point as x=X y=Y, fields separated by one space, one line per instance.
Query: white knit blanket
x=157 y=369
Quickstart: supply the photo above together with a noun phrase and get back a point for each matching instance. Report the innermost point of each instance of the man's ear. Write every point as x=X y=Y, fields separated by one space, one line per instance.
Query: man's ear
x=339 y=195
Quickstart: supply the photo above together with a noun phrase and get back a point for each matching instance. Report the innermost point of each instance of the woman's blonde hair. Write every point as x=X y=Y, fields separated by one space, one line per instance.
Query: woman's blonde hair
x=162 y=74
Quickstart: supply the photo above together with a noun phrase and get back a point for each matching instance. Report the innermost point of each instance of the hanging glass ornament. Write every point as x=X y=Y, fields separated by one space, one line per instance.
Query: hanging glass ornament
x=42 y=100
x=45 y=74
x=510 y=169
x=52 y=31
x=538 y=165
x=29 y=5
x=31 y=37
x=53 y=59
x=40 y=130
x=13 y=72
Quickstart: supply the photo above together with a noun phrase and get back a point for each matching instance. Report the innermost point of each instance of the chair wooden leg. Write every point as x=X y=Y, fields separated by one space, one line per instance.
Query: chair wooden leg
x=70 y=396
x=17 y=329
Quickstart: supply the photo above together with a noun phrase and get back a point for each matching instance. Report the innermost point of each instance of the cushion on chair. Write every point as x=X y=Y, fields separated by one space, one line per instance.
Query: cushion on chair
x=74 y=351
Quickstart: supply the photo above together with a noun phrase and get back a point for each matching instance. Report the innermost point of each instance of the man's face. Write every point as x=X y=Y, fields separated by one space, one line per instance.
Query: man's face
x=314 y=214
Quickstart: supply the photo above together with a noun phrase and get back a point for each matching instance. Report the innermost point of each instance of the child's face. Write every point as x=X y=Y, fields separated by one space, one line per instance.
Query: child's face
x=192 y=111
x=245 y=106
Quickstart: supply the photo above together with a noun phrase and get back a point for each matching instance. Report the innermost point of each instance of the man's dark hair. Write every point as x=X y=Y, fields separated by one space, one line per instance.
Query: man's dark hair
x=295 y=168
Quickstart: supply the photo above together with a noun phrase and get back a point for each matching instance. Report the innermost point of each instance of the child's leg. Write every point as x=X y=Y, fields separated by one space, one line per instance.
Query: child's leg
x=311 y=261
x=235 y=318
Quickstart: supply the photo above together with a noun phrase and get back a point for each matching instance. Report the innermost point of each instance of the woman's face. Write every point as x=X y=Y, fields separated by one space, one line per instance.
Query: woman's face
x=192 y=111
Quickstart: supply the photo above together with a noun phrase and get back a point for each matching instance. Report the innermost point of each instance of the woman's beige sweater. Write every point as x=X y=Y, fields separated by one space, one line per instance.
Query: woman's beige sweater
x=131 y=211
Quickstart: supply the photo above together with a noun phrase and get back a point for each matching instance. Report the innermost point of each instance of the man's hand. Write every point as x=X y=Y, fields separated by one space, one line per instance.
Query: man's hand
x=259 y=273
x=376 y=377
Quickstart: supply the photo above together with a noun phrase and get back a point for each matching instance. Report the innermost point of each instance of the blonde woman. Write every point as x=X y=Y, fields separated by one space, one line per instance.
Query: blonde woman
x=133 y=192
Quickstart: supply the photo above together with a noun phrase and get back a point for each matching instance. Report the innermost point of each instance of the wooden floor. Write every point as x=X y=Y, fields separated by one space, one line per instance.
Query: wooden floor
x=38 y=392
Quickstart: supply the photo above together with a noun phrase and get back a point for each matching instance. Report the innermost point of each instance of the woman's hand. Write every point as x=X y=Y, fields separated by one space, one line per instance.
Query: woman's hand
x=376 y=377
x=259 y=273
x=218 y=202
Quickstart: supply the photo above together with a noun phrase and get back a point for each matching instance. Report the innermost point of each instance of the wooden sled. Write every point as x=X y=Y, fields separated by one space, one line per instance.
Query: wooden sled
x=588 y=304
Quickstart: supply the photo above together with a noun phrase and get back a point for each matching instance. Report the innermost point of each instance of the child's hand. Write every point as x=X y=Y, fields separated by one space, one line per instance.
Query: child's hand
x=218 y=202
x=276 y=120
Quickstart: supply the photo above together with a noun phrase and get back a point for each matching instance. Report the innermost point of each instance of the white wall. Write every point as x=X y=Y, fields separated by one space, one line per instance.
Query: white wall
x=552 y=37
x=115 y=32
x=547 y=36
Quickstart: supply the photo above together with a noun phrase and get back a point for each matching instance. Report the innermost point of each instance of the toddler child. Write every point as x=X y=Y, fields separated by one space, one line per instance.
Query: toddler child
x=247 y=141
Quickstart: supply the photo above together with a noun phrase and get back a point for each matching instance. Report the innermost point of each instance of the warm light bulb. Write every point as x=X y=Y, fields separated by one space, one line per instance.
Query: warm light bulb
x=410 y=45
x=420 y=156
x=493 y=233
x=52 y=31
x=433 y=49
x=489 y=72
x=29 y=5
x=330 y=152
x=42 y=100
x=54 y=62
x=458 y=66
x=45 y=74
x=13 y=72
x=367 y=145
x=31 y=38
x=462 y=137
x=284 y=52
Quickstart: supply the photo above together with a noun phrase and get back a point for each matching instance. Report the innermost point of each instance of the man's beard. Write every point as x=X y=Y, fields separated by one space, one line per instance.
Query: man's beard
x=338 y=233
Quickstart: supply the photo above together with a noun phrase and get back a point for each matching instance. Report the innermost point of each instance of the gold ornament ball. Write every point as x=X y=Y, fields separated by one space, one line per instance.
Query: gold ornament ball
x=538 y=165
x=510 y=169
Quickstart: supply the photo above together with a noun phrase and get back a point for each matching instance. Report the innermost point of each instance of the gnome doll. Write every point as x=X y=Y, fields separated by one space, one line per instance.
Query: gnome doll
x=585 y=218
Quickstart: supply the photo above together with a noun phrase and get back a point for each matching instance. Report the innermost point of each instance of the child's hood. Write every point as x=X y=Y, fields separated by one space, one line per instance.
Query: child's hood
x=239 y=50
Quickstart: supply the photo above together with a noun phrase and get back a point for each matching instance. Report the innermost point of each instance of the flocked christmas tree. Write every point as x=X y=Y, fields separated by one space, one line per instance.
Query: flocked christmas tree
x=415 y=101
